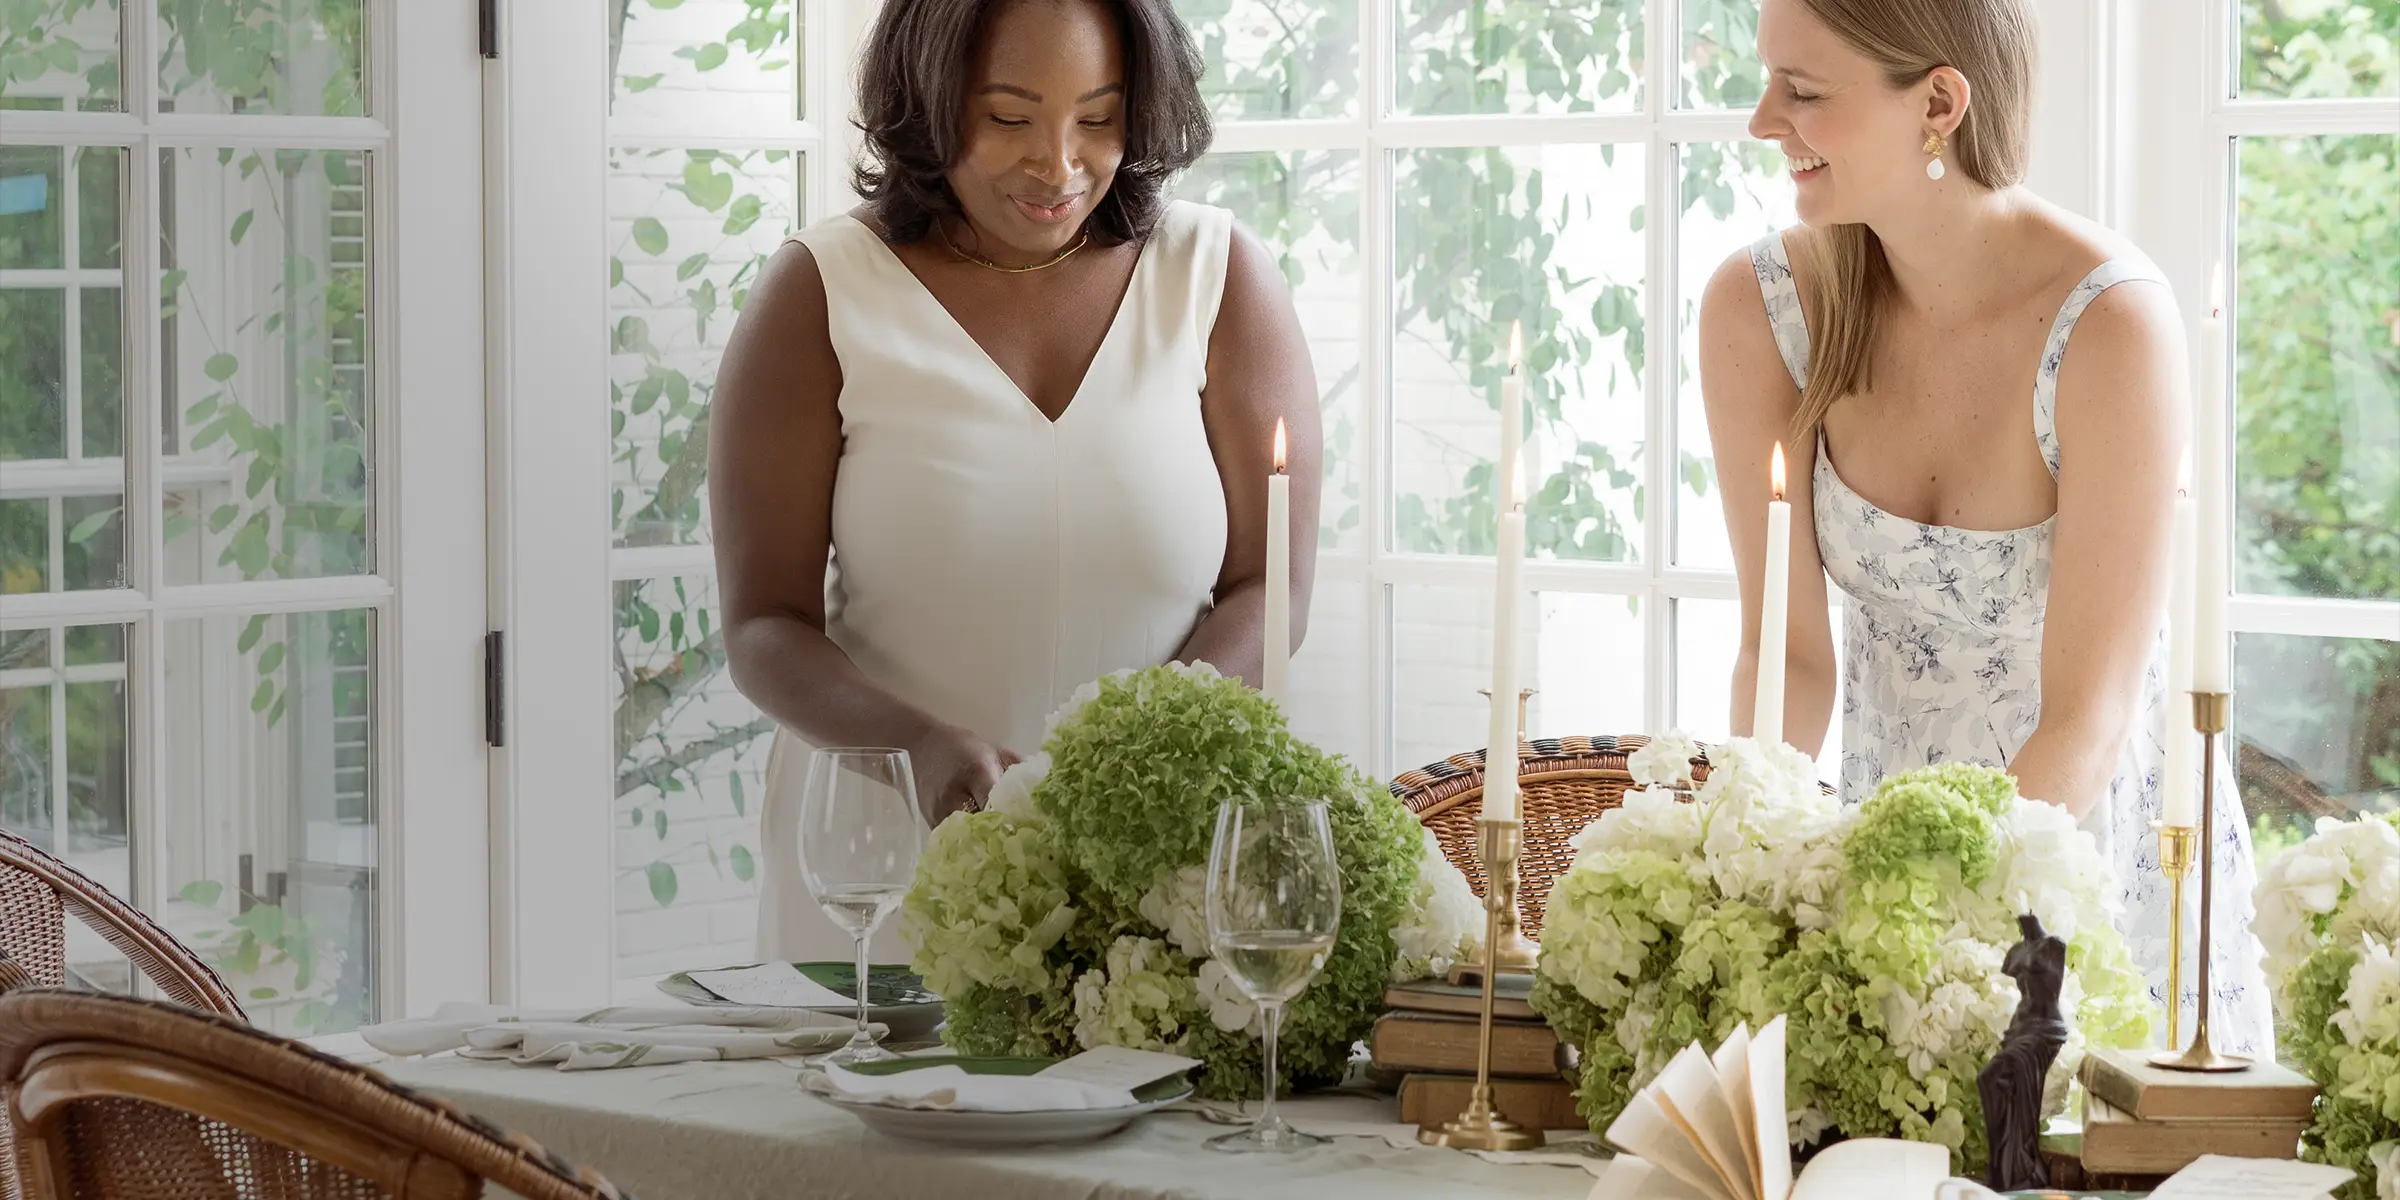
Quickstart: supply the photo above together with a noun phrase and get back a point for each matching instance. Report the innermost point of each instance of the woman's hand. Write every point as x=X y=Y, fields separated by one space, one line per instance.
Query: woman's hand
x=956 y=769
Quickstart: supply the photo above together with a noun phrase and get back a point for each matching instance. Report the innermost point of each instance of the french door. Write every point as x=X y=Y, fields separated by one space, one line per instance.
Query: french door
x=241 y=423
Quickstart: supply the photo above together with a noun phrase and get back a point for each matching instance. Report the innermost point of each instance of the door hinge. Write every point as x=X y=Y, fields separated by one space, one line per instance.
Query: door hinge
x=487 y=28
x=495 y=688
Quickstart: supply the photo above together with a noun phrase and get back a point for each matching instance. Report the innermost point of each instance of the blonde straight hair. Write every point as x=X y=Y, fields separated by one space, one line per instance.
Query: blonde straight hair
x=1993 y=44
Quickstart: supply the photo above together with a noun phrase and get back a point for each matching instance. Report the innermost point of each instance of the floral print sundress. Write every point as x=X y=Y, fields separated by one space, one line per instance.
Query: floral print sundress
x=1942 y=663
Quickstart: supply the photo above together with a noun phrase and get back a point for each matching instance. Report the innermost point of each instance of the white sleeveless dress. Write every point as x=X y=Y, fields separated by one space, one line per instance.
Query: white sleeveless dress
x=1942 y=663
x=987 y=561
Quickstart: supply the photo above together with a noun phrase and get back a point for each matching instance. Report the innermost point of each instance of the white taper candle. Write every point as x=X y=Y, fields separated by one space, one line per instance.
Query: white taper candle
x=1275 y=670
x=1774 y=603
x=2179 y=802
x=1500 y=753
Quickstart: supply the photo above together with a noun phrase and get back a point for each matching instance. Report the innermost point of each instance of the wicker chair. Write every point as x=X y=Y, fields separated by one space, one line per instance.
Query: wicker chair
x=115 y=1098
x=1563 y=784
x=37 y=891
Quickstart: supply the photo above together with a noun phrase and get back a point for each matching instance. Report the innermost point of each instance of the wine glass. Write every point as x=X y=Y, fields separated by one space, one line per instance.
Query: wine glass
x=860 y=836
x=1274 y=907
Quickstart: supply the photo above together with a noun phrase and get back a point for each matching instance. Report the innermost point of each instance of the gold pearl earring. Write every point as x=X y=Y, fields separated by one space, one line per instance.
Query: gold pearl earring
x=1934 y=145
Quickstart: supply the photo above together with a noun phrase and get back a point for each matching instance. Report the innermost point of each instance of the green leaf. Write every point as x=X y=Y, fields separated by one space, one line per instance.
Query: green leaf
x=710 y=57
x=705 y=186
x=642 y=83
x=658 y=823
x=271 y=658
x=251 y=633
x=650 y=235
x=745 y=213
x=636 y=822
x=241 y=226
x=690 y=266
x=203 y=892
x=662 y=883
x=263 y=993
x=85 y=528
x=741 y=801
x=743 y=865
x=221 y=366
x=264 y=696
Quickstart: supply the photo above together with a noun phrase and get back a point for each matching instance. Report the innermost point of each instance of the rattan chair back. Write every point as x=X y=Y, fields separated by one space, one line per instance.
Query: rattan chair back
x=114 y=1098
x=38 y=892
x=1563 y=784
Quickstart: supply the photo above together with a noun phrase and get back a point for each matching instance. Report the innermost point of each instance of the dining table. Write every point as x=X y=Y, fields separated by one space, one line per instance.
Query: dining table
x=746 y=1130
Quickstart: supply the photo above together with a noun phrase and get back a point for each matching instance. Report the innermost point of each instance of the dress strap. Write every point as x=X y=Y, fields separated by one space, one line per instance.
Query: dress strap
x=2054 y=352
x=1774 y=270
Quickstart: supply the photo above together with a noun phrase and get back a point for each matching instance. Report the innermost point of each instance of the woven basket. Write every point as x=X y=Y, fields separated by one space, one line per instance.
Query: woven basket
x=1563 y=784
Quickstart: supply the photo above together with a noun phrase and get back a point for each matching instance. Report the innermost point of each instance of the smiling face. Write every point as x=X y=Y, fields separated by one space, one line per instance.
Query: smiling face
x=1042 y=127
x=1853 y=140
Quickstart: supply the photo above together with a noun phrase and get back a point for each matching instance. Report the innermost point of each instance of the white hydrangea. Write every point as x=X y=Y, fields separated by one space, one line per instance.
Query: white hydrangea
x=1134 y=999
x=2371 y=1004
x=2051 y=870
x=1229 y=1007
x=1012 y=793
x=1966 y=1001
x=1178 y=904
x=2307 y=882
x=1665 y=762
x=2386 y=1159
x=1444 y=922
x=1651 y=819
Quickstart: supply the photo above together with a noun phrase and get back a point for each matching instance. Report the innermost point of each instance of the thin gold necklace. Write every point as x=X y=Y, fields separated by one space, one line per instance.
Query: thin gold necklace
x=989 y=265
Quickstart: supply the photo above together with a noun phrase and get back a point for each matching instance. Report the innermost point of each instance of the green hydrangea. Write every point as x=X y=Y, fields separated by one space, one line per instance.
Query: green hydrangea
x=1034 y=919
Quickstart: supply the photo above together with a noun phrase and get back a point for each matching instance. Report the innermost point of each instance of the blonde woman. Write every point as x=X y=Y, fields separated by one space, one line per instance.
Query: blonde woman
x=1983 y=399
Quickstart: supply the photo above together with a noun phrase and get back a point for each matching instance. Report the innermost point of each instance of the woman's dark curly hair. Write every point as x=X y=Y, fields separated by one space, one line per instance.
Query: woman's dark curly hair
x=914 y=73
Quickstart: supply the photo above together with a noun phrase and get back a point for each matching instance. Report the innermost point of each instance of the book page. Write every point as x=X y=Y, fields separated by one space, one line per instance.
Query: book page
x=1770 y=1118
x=1885 y=1168
x=2217 y=1177
x=1691 y=1091
x=1630 y=1177
x=1732 y=1061
x=1646 y=1129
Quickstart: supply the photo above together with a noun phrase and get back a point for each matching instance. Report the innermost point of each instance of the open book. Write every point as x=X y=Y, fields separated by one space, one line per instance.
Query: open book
x=1711 y=1127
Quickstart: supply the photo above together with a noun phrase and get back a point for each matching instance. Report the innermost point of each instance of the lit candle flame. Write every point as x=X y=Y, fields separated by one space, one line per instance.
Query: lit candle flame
x=1775 y=471
x=1279 y=440
x=1516 y=345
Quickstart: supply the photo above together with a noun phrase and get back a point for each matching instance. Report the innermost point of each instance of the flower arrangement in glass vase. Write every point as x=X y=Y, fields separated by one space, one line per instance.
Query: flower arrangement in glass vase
x=1877 y=931
x=2329 y=916
x=1069 y=913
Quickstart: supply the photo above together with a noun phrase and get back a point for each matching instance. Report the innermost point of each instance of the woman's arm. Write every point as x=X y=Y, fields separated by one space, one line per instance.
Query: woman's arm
x=775 y=438
x=1751 y=401
x=1258 y=371
x=2121 y=434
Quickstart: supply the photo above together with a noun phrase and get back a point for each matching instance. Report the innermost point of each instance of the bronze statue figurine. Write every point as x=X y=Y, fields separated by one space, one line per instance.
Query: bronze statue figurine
x=2012 y=1085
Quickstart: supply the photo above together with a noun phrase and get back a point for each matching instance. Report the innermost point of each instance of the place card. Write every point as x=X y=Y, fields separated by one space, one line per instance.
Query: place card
x=1119 y=1067
x=2218 y=1177
x=771 y=985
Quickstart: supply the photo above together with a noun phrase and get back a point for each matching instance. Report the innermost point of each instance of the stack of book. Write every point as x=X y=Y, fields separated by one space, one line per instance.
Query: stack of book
x=1425 y=1043
x=2142 y=1121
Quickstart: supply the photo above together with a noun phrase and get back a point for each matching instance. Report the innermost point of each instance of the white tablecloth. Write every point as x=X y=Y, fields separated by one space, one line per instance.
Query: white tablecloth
x=746 y=1131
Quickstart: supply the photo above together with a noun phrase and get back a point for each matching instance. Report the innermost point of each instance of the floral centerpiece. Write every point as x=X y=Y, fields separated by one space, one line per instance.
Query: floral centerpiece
x=1877 y=931
x=2329 y=916
x=1069 y=914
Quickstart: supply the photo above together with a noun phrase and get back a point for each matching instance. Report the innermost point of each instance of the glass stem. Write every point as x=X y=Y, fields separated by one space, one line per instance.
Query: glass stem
x=858 y=946
x=1273 y=1013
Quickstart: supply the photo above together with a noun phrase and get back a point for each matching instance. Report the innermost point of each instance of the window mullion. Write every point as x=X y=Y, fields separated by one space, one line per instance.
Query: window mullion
x=1661 y=367
x=1376 y=62
x=144 y=458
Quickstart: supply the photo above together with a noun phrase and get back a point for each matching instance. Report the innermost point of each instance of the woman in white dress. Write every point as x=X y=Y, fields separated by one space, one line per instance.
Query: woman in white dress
x=1993 y=505
x=1006 y=427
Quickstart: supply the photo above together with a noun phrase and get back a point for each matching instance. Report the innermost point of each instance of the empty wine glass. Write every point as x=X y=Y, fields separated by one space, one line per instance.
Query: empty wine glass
x=860 y=836
x=1274 y=907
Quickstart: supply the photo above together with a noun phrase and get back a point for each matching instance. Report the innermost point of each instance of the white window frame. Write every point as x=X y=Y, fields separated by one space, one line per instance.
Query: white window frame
x=2182 y=122
x=426 y=434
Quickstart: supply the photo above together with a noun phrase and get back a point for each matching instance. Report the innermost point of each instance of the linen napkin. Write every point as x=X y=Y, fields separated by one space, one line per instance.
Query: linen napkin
x=953 y=1090
x=617 y=1036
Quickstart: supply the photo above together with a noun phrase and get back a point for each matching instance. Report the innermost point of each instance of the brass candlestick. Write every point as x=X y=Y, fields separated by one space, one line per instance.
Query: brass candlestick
x=1482 y=1126
x=2208 y=717
x=2175 y=862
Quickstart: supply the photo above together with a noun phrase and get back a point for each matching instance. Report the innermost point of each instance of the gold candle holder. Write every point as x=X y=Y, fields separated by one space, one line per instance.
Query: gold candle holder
x=2208 y=717
x=2175 y=844
x=1482 y=1126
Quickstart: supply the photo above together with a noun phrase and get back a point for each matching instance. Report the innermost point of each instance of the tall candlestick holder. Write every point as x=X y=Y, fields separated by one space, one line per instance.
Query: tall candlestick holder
x=2175 y=844
x=2208 y=718
x=1482 y=1126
